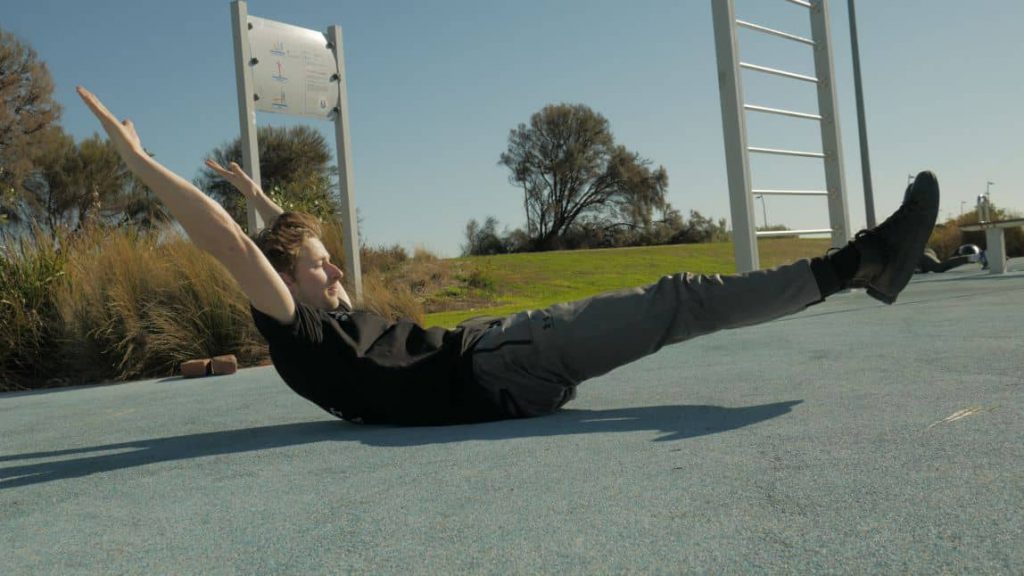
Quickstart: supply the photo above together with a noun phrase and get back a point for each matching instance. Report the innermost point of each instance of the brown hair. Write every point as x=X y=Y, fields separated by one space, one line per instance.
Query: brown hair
x=281 y=240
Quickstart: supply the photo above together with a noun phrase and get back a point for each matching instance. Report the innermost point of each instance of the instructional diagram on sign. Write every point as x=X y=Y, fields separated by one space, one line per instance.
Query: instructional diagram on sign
x=293 y=69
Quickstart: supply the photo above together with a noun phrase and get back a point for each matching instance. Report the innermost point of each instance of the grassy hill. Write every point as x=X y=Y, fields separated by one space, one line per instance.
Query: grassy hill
x=517 y=282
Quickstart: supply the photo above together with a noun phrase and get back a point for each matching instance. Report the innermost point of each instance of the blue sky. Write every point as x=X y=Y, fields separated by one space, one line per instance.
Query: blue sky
x=435 y=87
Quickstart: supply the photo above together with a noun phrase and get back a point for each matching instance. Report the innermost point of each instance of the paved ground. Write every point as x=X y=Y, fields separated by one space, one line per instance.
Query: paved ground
x=851 y=438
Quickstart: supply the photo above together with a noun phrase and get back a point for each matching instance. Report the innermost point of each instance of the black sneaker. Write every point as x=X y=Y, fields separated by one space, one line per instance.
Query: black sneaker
x=889 y=253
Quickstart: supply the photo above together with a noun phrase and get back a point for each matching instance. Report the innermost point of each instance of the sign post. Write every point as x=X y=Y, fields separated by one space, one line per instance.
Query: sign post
x=286 y=69
x=343 y=144
x=246 y=110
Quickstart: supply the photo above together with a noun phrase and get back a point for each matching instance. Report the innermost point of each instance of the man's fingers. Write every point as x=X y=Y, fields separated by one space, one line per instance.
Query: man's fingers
x=95 y=105
x=121 y=133
x=217 y=168
x=231 y=175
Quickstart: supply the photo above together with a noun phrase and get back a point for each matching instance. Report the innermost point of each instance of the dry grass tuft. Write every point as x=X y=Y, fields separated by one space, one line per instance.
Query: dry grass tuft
x=137 y=306
x=119 y=303
x=384 y=292
x=393 y=301
x=31 y=269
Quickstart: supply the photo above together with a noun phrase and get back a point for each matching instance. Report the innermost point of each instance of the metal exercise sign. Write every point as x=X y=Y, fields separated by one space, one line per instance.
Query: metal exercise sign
x=286 y=69
x=292 y=70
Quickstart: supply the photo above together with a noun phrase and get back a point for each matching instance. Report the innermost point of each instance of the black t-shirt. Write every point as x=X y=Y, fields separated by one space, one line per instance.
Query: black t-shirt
x=360 y=367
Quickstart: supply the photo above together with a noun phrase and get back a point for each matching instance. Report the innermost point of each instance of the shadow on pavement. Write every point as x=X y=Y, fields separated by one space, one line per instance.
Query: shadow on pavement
x=676 y=422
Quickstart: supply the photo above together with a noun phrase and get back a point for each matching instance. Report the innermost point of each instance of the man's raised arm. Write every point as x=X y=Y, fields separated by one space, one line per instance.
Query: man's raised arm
x=234 y=174
x=209 y=226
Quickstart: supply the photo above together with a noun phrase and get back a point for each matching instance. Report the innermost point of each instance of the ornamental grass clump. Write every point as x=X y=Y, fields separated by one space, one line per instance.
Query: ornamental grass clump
x=140 y=302
x=32 y=268
x=106 y=303
x=385 y=290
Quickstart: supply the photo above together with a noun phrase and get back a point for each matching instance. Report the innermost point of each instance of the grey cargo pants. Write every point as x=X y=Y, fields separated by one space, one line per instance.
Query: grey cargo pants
x=531 y=362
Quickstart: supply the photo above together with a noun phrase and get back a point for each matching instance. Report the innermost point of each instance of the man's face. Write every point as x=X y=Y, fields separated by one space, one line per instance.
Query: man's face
x=316 y=281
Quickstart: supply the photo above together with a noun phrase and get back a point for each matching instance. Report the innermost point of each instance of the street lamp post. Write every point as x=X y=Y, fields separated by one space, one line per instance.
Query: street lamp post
x=764 y=210
x=865 y=162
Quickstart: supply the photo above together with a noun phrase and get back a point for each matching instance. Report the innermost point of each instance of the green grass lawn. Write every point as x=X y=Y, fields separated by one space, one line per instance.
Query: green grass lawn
x=536 y=280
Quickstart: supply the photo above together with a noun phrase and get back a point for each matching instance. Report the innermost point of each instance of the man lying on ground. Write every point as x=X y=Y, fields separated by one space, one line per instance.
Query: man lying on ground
x=966 y=253
x=362 y=368
x=929 y=262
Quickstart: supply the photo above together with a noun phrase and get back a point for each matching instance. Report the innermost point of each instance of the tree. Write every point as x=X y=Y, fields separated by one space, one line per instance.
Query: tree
x=484 y=240
x=570 y=169
x=26 y=111
x=295 y=172
x=700 y=228
x=45 y=192
x=75 y=184
x=947 y=236
x=139 y=205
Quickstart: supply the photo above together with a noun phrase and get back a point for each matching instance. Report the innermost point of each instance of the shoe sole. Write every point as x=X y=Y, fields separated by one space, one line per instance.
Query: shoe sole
x=923 y=199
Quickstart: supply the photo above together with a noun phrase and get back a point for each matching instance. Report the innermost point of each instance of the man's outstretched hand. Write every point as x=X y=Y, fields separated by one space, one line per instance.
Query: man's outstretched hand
x=121 y=133
x=237 y=177
x=205 y=221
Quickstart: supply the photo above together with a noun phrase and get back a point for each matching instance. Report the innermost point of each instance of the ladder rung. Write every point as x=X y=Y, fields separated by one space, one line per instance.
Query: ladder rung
x=774 y=32
x=801 y=3
x=785 y=152
x=781 y=112
x=776 y=72
x=793 y=232
x=791 y=192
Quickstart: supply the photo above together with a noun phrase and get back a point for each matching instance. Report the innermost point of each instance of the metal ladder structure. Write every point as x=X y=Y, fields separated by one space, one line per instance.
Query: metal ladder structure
x=737 y=151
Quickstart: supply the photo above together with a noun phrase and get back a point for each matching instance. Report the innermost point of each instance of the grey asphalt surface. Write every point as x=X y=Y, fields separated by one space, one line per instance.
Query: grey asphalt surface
x=851 y=438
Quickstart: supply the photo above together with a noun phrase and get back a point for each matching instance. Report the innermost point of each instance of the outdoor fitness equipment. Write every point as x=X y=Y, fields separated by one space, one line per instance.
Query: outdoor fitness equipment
x=741 y=192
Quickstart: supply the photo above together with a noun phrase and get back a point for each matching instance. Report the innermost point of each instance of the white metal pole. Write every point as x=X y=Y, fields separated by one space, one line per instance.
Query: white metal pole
x=831 y=141
x=737 y=164
x=346 y=190
x=246 y=109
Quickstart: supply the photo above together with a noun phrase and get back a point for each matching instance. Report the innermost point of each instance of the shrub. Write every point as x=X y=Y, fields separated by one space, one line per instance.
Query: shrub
x=421 y=254
x=947 y=236
x=700 y=228
x=945 y=239
x=480 y=280
x=586 y=233
x=484 y=240
x=391 y=300
x=32 y=268
x=381 y=293
x=382 y=259
x=118 y=303
x=135 y=306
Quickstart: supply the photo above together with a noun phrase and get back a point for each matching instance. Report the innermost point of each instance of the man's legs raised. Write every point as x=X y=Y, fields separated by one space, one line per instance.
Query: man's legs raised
x=535 y=359
x=539 y=356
